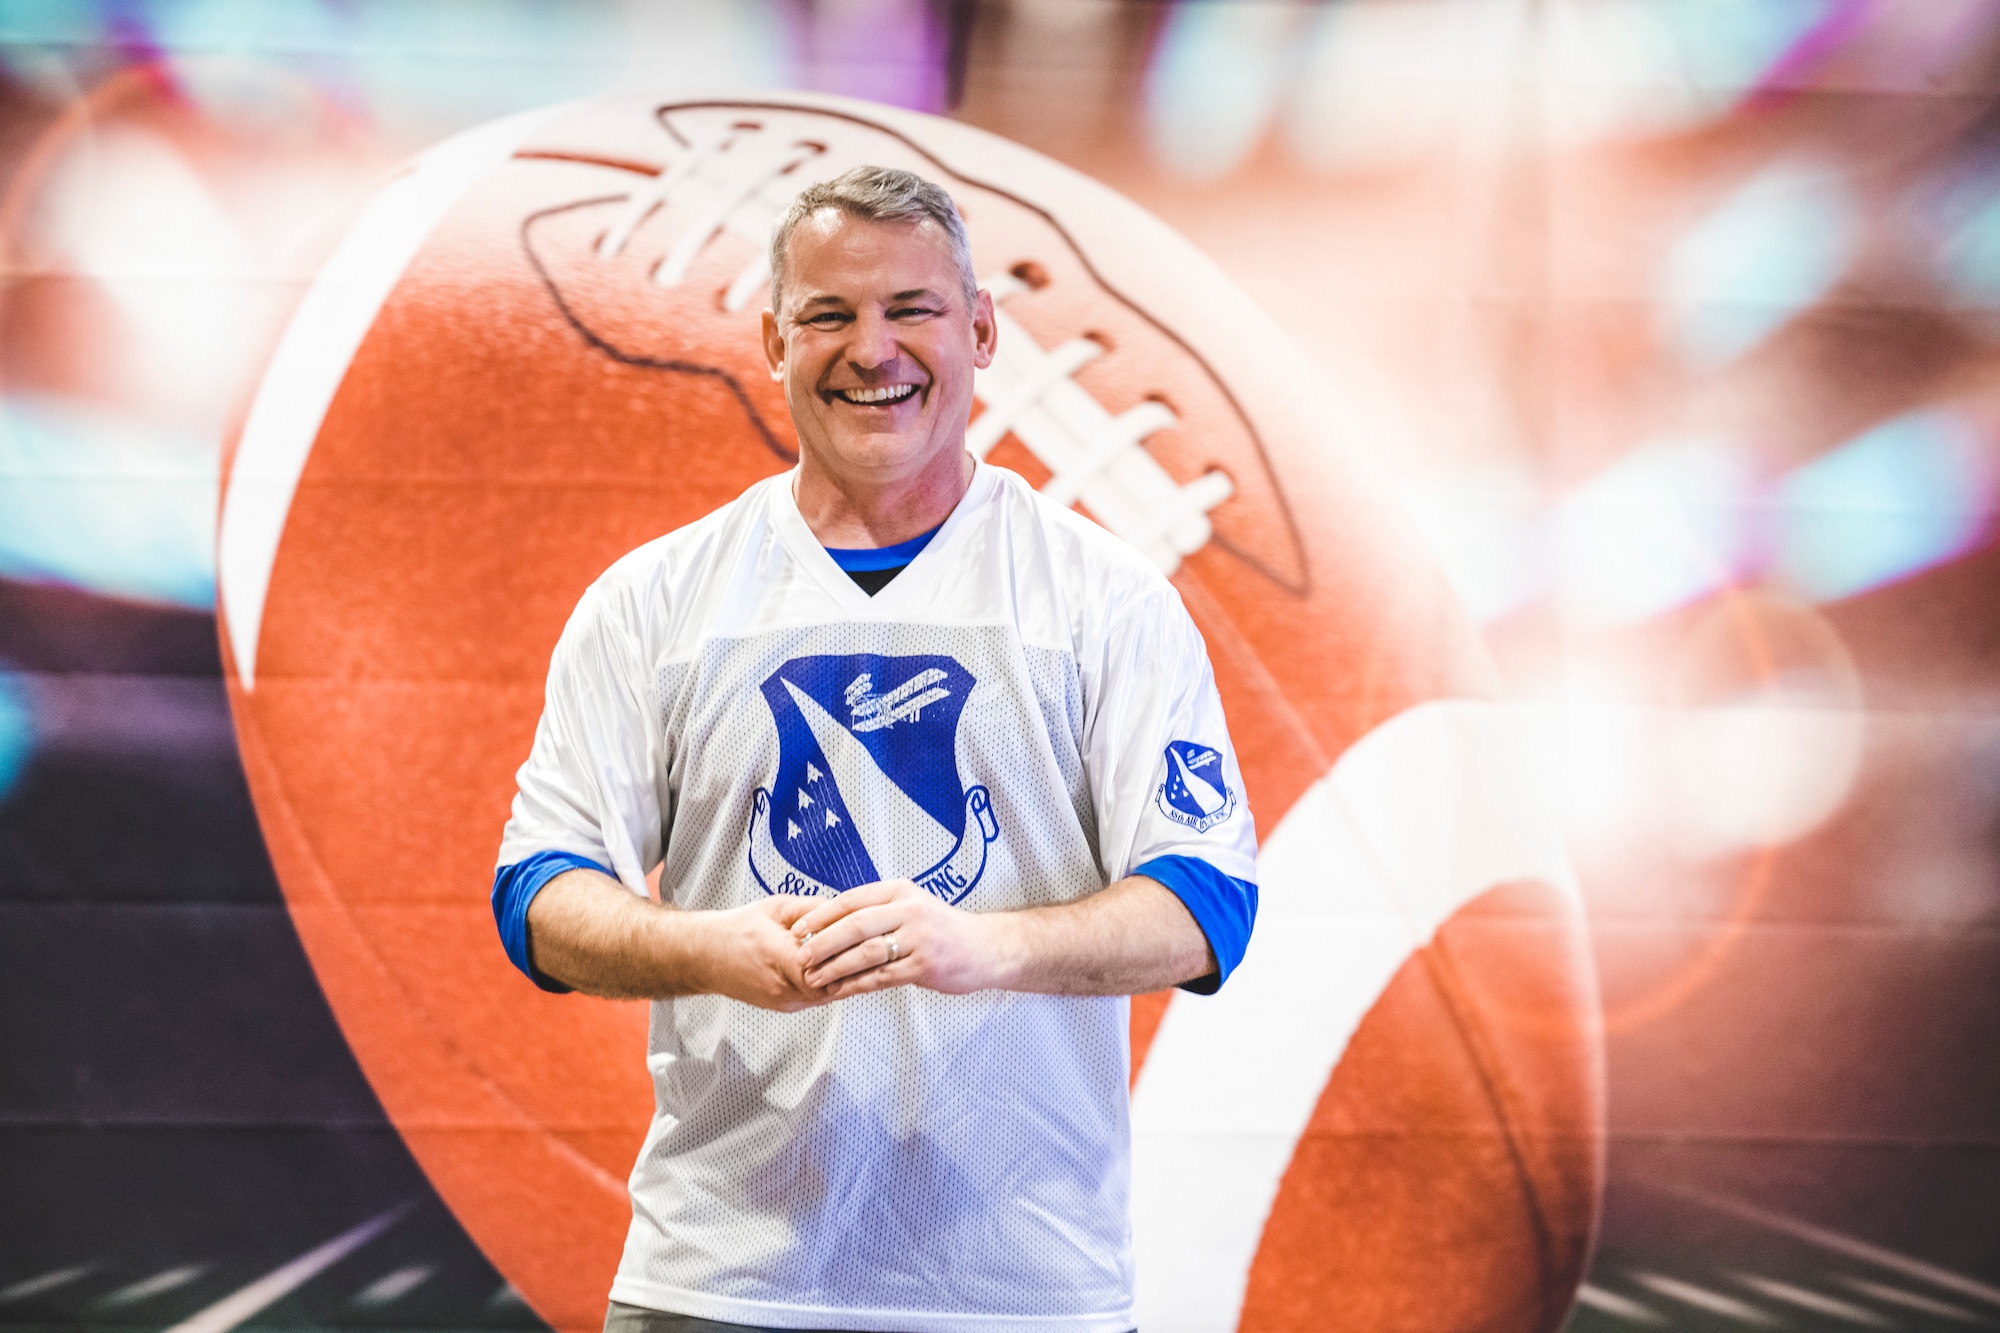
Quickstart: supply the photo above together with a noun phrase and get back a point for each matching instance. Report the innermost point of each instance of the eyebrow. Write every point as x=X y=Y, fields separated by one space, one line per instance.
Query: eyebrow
x=912 y=294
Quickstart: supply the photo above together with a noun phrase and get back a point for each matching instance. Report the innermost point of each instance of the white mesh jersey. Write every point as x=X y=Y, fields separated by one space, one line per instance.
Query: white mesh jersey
x=1021 y=717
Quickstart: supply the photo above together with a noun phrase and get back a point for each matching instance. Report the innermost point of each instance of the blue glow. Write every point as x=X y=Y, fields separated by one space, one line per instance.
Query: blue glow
x=285 y=28
x=1660 y=527
x=1911 y=493
x=17 y=731
x=43 y=43
x=50 y=22
x=106 y=503
x=1215 y=82
x=425 y=63
x=1639 y=67
x=1727 y=46
x=1774 y=247
x=1969 y=260
x=416 y=67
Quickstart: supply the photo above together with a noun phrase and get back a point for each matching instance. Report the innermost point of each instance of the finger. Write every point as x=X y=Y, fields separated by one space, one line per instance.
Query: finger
x=849 y=931
x=787 y=975
x=787 y=908
x=887 y=976
x=845 y=935
x=874 y=952
x=848 y=963
x=829 y=910
x=826 y=911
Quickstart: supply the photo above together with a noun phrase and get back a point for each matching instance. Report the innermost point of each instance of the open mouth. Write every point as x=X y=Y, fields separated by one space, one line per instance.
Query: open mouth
x=885 y=396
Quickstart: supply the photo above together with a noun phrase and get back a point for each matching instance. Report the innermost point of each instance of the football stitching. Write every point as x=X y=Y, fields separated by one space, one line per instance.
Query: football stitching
x=745 y=173
x=1093 y=456
x=623 y=357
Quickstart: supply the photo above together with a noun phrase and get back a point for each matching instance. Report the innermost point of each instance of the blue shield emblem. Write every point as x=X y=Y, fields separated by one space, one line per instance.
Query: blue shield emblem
x=1195 y=792
x=868 y=786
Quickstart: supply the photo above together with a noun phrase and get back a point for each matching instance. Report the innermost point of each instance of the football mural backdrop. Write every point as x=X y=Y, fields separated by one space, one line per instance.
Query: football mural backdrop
x=1569 y=423
x=539 y=348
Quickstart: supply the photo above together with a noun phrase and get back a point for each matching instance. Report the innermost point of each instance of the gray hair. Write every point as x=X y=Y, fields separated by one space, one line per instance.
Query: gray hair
x=875 y=194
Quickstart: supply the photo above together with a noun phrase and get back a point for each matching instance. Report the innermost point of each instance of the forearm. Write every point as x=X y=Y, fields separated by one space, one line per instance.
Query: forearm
x=1131 y=938
x=588 y=931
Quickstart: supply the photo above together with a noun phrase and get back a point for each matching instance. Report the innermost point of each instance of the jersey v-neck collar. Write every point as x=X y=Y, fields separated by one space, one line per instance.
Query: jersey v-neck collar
x=805 y=548
x=877 y=559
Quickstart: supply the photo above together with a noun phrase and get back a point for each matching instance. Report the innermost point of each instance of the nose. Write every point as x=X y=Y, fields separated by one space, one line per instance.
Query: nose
x=872 y=344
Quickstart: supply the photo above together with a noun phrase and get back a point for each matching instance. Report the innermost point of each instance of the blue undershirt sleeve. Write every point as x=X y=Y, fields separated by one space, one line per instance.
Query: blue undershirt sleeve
x=1224 y=907
x=514 y=887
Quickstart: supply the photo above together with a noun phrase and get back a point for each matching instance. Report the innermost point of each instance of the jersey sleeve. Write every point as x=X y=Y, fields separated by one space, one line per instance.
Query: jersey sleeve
x=1164 y=777
x=591 y=787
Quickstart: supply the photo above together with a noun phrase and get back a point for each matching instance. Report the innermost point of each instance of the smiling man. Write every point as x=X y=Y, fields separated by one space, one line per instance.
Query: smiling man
x=935 y=775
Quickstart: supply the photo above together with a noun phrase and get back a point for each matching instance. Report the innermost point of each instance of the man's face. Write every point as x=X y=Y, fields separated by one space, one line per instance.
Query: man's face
x=876 y=345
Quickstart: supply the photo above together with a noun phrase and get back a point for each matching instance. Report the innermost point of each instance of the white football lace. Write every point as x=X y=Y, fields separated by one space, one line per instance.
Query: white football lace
x=738 y=173
x=742 y=180
x=1094 y=456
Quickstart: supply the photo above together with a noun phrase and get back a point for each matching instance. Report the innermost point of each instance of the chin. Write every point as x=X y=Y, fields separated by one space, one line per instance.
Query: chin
x=886 y=453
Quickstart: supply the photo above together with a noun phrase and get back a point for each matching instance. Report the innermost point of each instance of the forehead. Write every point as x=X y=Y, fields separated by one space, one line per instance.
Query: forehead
x=833 y=253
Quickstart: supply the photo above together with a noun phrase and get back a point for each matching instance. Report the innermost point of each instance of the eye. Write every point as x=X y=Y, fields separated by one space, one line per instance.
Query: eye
x=911 y=312
x=826 y=319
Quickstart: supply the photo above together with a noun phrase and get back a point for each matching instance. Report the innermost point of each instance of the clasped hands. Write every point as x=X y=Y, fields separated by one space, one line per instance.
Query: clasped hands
x=810 y=951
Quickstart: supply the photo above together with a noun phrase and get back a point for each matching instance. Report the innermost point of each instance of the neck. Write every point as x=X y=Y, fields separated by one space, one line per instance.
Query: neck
x=862 y=513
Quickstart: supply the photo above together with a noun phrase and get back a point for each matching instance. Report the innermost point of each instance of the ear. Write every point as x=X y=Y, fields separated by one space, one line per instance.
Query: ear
x=985 y=329
x=774 y=347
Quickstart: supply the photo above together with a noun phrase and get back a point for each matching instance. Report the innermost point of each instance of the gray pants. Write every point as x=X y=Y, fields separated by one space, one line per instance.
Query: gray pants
x=631 y=1319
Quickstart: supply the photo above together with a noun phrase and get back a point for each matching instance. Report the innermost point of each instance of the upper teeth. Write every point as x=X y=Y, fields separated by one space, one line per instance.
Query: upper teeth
x=884 y=394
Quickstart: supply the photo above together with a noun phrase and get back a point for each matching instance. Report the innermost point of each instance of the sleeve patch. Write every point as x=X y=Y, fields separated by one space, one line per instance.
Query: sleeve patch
x=1195 y=792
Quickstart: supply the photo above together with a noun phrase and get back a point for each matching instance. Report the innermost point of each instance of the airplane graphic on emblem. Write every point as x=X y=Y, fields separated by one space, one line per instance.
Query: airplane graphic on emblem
x=1195 y=793
x=868 y=785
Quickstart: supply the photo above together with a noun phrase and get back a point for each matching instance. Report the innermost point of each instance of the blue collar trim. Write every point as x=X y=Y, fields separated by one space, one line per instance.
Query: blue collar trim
x=869 y=558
